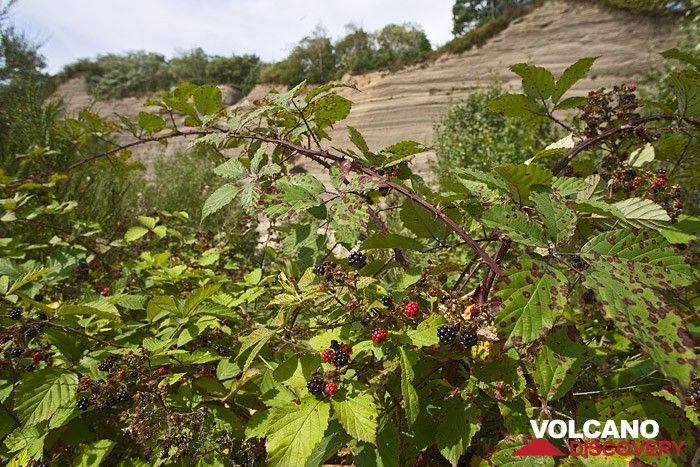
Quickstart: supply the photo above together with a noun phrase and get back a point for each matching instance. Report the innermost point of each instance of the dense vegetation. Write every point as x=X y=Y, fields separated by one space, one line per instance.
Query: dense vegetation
x=380 y=319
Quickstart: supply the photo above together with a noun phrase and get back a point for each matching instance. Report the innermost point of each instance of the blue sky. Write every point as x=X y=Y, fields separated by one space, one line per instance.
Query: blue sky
x=73 y=29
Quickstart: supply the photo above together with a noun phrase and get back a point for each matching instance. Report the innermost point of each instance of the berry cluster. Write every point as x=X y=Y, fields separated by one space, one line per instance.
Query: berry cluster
x=447 y=334
x=357 y=259
x=605 y=106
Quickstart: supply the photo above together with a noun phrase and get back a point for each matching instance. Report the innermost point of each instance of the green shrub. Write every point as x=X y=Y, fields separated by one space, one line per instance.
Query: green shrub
x=135 y=73
x=470 y=135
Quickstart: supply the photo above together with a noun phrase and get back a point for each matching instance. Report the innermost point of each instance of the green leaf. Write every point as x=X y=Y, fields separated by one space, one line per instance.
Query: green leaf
x=386 y=453
x=684 y=230
x=531 y=295
x=150 y=123
x=358 y=140
x=43 y=392
x=253 y=342
x=421 y=222
x=628 y=271
x=196 y=297
x=207 y=99
x=686 y=57
x=335 y=437
x=294 y=429
x=558 y=363
x=348 y=219
x=404 y=149
x=134 y=233
x=571 y=103
x=639 y=405
x=296 y=371
x=641 y=156
x=249 y=197
x=538 y=82
x=220 y=198
x=521 y=179
x=384 y=241
x=686 y=87
x=518 y=106
x=642 y=212
x=232 y=168
x=425 y=333
x=515 y=224
x=571 y=76
x=358 y=415
x=503 y=454
x=559 y=221
x=330 y=109
x=93 y=454
x=28 y=278
x=411 y=405
x=457 y=428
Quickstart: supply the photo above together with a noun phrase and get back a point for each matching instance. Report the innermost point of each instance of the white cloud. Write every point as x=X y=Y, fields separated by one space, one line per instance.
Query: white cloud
x=74 y=29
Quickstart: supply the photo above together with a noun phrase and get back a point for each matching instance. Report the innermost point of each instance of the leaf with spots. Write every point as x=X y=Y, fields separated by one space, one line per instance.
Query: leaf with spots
x=559 y=221
x=348 y=218
x=530 y=295
x=515 y=224
x=521 y=179
x=673 y=424
x=628 y=273
x=558 y=363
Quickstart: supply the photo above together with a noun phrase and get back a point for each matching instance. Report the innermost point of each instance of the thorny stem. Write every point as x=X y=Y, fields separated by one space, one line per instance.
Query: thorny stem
x=491 y=275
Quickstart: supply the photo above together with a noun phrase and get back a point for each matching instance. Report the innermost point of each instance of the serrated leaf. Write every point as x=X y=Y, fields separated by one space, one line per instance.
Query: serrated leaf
x=566 y=186
x=457 y=428
x=411 y=405
x=641 y=156
x=294 y=429
x=572 y=75
x=296 y=371
x=27 y=278
x=386 y=453
x=518 y=106
x=530 y=295
x=628 y=271
x=515 y=224
x=421 y=222
x=207 y=99
x=358 y=415
x=686 y=87
x=521 y=179
x=196 y=297
x=538 y=82
x=681 y=55
x=134 y=233
x=220 y=198
x=252 y=344
x=358 y=140
x=232 y=168
x=334 y=438
x=642 y=212
x=559 y=221
x=330 y=109
x=685 y=229
x=502 y=454
x=595 y=189
x=150 y=123
x=558 y=362
x=571 y=103
x=425 y=333
x=43 y=392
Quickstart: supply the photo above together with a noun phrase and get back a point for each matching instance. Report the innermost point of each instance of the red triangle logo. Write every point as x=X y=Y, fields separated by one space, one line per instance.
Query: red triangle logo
x=539 y=447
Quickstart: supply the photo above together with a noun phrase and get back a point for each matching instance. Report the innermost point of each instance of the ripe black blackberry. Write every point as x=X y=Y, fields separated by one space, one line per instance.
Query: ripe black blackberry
x=82 y=403
x=316 y=385
x=320 y=269
x=468 y=339
x=221 y=350
x=29 y=367
x=30 y=332
x=588 y=296
x=335 y=345
x=41 y=316
x=628 y=175
x=16 y=351
x=341 y=358
x=357 y=259
x=16 y=314
x=106 y=364
x=387 y=301
x=446 y=334
x=42 y=464
x=121 y=396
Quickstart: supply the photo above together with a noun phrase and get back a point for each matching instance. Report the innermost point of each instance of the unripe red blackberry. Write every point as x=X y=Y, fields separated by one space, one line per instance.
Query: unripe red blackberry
x=636 y=181
x=161 y=371
x=183 y=379
x=36 y=357
x=411 y=310
x=446 y=334
x=316 y=385
x=330 y=389
x=346 y=348
x=378 y=335
x=105 y=291
x=660 y=181
x=327 y=355
x=121 y=373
